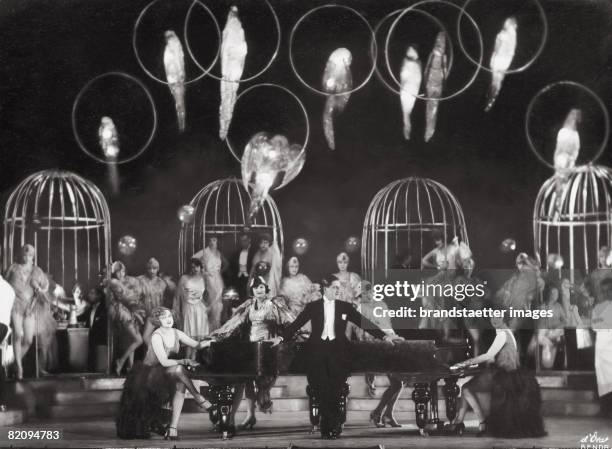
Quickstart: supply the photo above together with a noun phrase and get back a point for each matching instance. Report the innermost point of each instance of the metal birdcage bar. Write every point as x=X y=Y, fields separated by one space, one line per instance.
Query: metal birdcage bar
x=580 y=224
x=221 y=210
x=67 y=220
x=399 y=218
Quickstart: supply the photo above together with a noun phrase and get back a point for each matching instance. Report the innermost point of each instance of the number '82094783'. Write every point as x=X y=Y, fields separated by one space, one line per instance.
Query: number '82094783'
x=34 y=434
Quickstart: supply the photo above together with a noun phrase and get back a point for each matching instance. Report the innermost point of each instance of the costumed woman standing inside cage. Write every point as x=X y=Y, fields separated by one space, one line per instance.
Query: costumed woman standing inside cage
x=268 y=253
x=213 y=264
x=159 y=379
x=31 y=314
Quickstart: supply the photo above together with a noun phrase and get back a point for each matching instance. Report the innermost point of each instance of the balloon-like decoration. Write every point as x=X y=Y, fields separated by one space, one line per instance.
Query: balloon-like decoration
x=269 y=162
x=230 y=296
x=554 y=261
x=186 y=213
x=352 y=244
x=508 y=245
x=300 y=246
x=262 y=268
x=95 y=128
x=127 y=245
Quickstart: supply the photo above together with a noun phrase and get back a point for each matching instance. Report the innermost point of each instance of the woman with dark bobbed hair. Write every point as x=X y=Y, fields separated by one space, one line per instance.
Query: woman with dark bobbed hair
x=159 y=379
x=263 y=317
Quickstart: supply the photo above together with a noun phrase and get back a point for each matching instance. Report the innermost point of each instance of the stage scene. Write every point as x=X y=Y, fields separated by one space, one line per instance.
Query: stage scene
x=266 y=223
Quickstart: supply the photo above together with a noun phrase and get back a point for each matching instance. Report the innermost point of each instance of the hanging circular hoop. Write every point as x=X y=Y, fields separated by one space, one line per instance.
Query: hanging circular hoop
x=433 y=19
x=302 y=107
x=374 y=48
x=525 y=66
x=592 y=94
x=76 y=105
x=480 y=42
x=204 y=71
x=244 y=79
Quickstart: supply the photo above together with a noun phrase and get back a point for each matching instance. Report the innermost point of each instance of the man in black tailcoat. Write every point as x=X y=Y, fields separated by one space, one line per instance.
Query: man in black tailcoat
x=328 y=349
x=240 y=265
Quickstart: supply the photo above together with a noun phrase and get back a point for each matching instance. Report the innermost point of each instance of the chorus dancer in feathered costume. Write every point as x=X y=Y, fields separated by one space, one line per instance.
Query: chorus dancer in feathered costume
x=411 y=76
x=436 y=72
x=31 y=314
x=174 y=63
x=266 y=315
x=154 y=290
x=566 y=153
x=108 y=138
x=503 y=54
x=337 y=79
x=233 y=55
x=127 y=311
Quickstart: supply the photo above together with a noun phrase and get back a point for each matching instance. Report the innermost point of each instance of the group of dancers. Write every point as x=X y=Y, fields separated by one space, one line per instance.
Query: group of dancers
x=328 y=315
x=176 y=319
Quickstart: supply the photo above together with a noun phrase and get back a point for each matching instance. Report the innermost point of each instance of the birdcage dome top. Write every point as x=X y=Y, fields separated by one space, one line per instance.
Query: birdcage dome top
x=224 y=204
x=57 y=198
x=586 y=197
x=415 y=202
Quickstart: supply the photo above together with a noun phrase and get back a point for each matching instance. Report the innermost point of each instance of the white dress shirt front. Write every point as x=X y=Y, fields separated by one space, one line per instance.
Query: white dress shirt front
x=243 y=260
x=329 y=311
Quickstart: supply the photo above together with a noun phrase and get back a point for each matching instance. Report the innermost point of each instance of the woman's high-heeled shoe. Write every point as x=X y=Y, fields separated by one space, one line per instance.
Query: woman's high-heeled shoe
x=170 y=435
x=203 y=403
x=390 y=420
x=455 y=428
x=249 y=423
x=482 y=429
x=376 y=419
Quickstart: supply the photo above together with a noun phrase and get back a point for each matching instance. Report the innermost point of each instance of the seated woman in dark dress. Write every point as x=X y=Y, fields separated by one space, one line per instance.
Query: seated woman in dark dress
x=158 y=380
x=515 y=394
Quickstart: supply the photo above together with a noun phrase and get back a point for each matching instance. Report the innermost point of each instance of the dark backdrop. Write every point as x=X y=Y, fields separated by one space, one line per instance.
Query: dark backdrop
x=49 y=50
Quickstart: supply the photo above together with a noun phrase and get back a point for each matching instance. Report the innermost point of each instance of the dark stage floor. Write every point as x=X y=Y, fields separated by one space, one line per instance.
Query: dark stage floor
x=278 y=432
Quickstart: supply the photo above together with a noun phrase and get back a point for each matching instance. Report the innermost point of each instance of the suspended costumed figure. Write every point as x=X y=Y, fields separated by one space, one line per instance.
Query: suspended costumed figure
x=436 y=73
x=411 y=76
x=269 y=163
x=337 y=79
x=233 y=54
x=108 y=138
x=503 y=54
x=109 y=143
x=174 y=63
x=566 y=153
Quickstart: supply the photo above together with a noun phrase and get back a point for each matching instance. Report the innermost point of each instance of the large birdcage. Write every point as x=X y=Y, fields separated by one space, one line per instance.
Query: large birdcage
x=401 y=218
x=221 y=210
x=580 y=223
x=66 y=218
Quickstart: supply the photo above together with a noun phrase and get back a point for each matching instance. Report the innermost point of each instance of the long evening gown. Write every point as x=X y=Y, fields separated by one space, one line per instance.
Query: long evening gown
x=211 y=260
x=147 y=389
x=516 y=400
x=190 y=307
